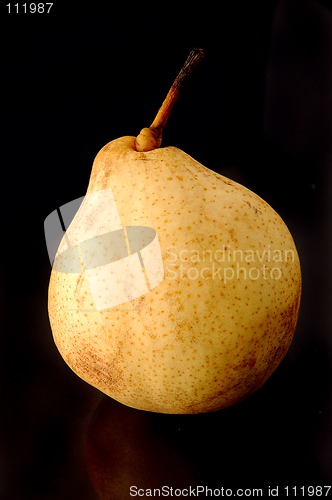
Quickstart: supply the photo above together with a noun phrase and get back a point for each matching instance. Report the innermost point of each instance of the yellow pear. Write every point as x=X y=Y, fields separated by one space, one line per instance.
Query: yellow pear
x=174 y=289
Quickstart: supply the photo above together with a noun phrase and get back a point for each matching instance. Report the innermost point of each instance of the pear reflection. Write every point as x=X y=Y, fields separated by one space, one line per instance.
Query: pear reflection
x=128 y=448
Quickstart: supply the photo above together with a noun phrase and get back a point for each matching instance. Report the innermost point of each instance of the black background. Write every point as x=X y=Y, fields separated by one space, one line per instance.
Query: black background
x=258 y=110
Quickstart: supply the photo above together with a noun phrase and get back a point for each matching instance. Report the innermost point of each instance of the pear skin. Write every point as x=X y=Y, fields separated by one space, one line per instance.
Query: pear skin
x=223 y=315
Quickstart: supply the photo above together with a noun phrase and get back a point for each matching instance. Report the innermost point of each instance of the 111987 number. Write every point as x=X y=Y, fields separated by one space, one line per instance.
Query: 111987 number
x=29 y=8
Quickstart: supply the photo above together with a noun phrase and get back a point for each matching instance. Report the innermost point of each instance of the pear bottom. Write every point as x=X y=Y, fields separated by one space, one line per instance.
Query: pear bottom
x=134 y=356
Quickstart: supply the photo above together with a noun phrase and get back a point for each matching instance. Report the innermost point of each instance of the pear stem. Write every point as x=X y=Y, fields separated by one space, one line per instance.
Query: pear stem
x=150 y=138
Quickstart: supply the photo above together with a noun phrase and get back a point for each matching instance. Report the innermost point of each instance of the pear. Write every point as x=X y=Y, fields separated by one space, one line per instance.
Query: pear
x=174 y=289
